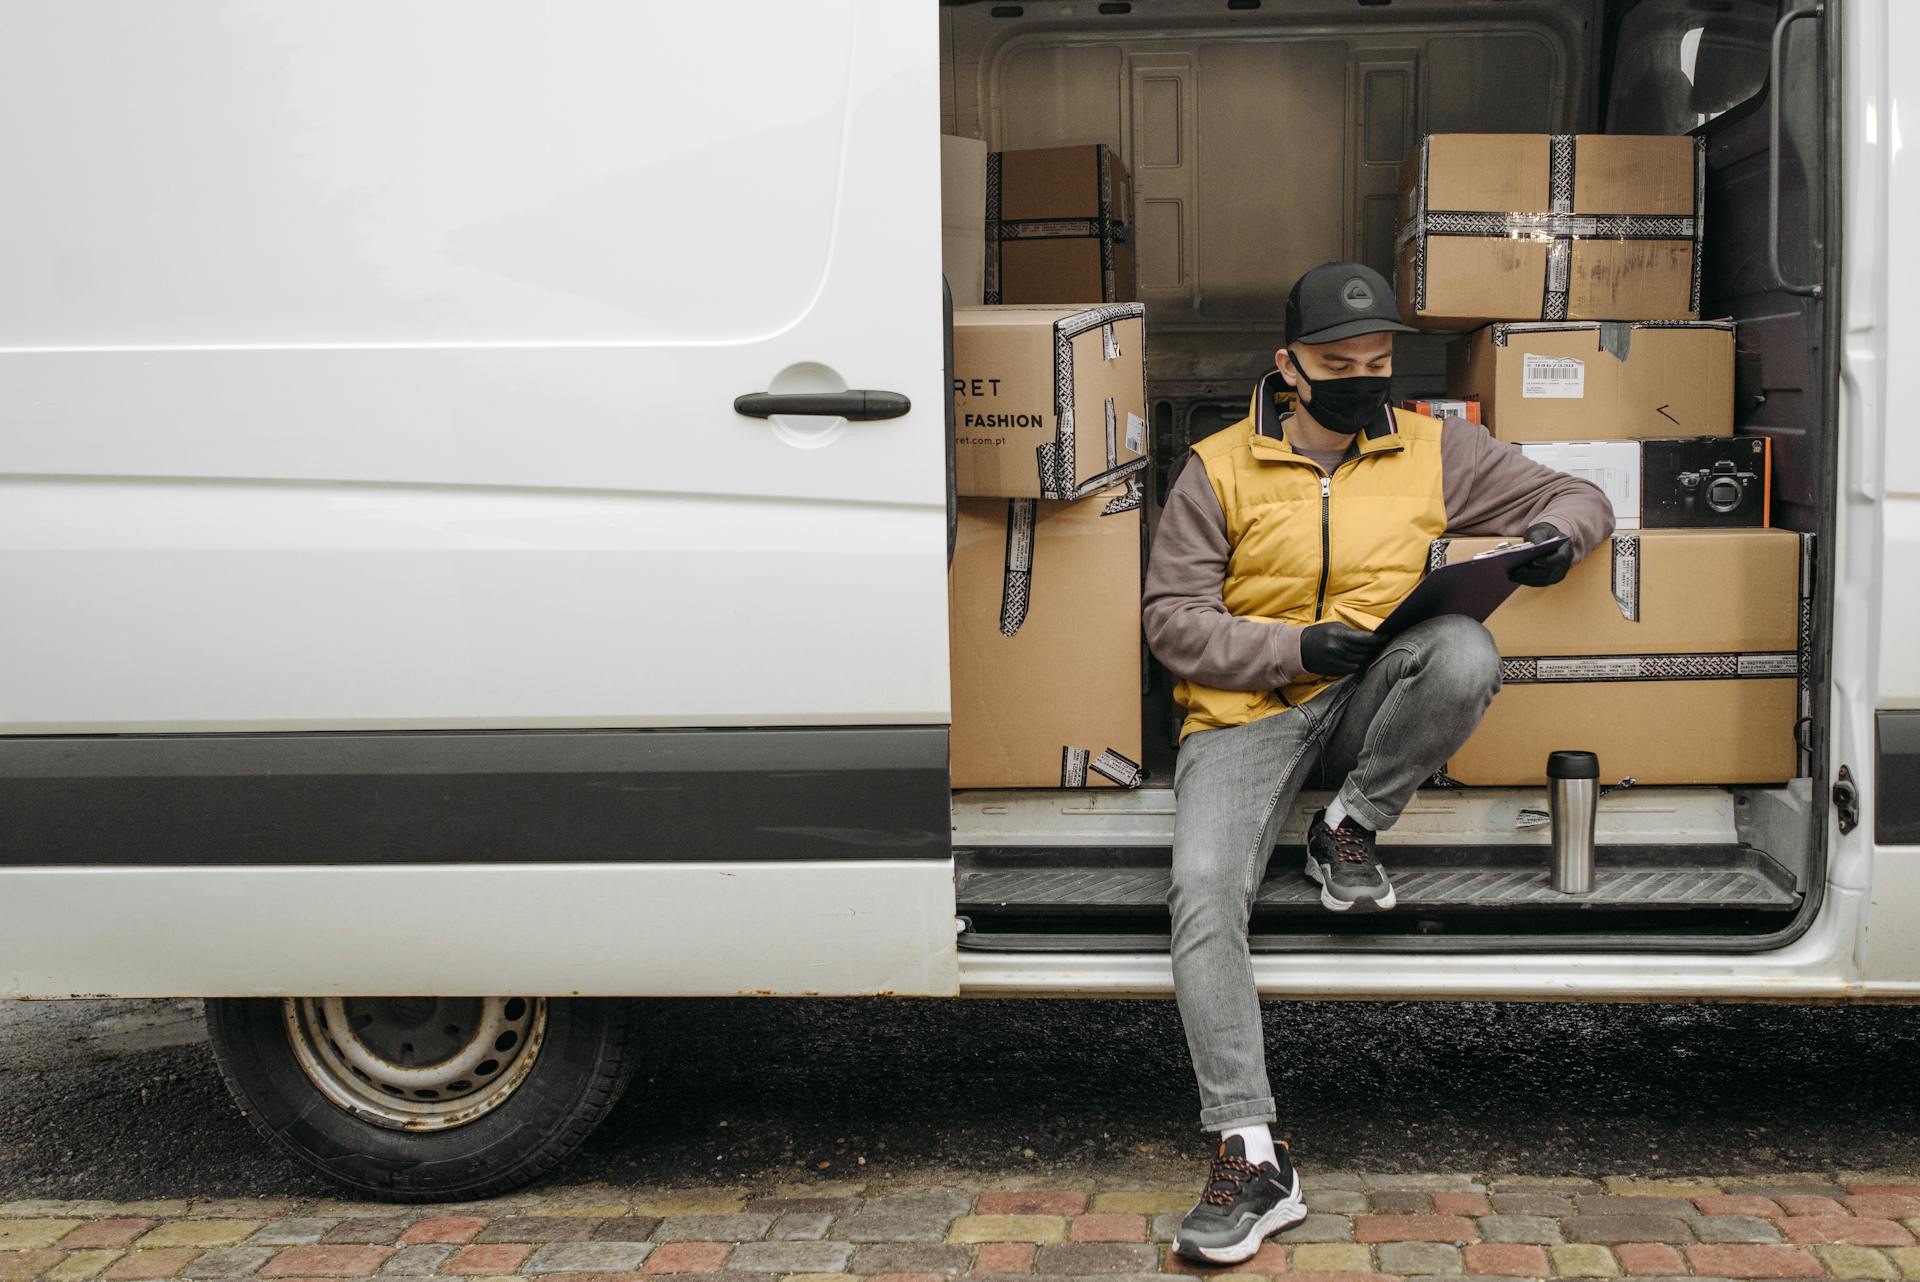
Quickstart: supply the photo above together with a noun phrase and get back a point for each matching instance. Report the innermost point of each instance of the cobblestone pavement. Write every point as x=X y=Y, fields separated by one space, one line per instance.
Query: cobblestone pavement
x=1362 y=1227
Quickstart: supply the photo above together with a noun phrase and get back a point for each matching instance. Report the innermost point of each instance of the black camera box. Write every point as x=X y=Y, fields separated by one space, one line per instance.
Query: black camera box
x=1699 y=482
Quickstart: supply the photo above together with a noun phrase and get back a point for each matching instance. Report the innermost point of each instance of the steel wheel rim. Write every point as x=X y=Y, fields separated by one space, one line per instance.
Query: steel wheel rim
x=416 y=1063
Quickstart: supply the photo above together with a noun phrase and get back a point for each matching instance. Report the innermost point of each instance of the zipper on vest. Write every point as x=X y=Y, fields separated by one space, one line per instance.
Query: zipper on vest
x=1326 y=544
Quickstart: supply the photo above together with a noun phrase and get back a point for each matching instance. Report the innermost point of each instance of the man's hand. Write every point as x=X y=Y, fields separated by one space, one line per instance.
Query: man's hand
x=1543 y=570
x=1334 y=649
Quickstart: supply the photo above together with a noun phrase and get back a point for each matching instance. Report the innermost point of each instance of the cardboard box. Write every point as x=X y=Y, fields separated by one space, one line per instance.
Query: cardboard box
x=1552 y=227
x=963 y=218
x=1044 y=616
x=1466 y=408
x=1049 y=402
x=1654 y=732
x=1696 y=482
x=1058 y=227
x=1614 y=466
x=1679 y=656
x=1546 y=381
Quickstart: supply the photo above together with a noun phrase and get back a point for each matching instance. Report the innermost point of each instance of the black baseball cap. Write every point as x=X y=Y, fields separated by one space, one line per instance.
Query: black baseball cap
x=1341 y=300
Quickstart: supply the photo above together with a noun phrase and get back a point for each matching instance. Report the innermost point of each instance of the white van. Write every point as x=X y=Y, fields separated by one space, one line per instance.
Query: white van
x=408 y=645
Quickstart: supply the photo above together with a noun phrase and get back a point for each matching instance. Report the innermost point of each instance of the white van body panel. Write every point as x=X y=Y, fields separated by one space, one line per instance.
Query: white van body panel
x=1882 y=466
x=1876 y=659
x=816 y=928
x=370 y=366
x=402 y=398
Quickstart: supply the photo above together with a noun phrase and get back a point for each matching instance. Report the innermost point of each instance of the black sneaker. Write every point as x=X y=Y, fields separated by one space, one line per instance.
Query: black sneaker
x=1242 y=1205
x=1343 y=860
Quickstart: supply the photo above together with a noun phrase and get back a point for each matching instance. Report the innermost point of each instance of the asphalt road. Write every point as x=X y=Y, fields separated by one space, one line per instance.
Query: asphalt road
x=122 y=1100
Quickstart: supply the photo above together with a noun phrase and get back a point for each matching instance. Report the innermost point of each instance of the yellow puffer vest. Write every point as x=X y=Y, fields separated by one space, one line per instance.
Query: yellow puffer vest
x=1308 y=545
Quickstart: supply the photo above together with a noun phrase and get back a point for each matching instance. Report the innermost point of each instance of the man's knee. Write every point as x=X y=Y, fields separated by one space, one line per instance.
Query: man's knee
x=1461 y=655
x=1202 y=888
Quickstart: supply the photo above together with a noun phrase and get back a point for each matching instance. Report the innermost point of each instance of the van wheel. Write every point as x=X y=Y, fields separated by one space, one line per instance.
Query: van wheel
x=424 y=1099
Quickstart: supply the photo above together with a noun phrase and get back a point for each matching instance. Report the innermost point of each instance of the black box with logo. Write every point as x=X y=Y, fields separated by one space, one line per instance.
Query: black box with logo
x=1698 y=482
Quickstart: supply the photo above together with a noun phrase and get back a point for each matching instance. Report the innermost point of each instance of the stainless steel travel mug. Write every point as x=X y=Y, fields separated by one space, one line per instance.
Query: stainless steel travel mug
x=1573 y=786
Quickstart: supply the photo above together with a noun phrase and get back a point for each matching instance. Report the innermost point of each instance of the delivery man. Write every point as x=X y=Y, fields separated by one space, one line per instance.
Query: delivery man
x=1285 y=540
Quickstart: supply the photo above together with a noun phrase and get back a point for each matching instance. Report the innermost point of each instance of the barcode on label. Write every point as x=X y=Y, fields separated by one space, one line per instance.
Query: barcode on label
x=1136 y=433
x=1554 y=377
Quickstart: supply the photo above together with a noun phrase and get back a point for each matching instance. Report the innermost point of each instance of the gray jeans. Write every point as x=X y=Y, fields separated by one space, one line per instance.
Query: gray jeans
x=1380 y=733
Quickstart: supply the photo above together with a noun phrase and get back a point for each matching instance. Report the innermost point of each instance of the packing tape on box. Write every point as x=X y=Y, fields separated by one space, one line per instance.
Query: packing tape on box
x=1057 y=459
x=1558 y=225
x=1130 y=499
x=990 y=293
x=1589 y=668
x=1114 y=766
x=1016 y=588
x=1626 y=575
x=1016 y=585
x=1615 y=337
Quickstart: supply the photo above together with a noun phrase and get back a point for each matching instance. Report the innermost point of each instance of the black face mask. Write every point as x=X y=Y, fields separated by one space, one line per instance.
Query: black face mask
x=1343 y=405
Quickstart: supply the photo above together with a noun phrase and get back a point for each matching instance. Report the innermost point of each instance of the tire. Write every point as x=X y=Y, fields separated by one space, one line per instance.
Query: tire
x=570 y=1071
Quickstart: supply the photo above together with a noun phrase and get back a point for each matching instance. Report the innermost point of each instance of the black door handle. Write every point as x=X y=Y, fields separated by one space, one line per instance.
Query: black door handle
x=859 y=406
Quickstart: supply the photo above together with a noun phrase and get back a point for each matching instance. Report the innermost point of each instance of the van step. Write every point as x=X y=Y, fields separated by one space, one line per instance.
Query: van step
x=1470 y=817
x=1008 y=889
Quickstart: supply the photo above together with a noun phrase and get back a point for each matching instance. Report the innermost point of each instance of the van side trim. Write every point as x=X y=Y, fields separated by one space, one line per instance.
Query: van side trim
x=468 y=797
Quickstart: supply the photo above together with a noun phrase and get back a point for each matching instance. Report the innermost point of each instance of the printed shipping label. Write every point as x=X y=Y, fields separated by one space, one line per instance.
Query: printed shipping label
x=1553 y=377
x=1769 y=665
x=1136 y=433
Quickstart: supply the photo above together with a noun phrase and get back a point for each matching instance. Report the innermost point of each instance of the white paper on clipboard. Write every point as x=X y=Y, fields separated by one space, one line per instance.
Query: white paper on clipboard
x=1474 y=587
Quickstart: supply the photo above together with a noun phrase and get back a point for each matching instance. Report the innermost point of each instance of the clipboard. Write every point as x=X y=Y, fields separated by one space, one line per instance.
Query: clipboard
x=1474 y=587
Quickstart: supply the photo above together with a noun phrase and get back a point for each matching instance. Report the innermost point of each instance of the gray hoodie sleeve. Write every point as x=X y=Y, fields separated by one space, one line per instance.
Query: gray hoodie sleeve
x=1187 y=624
x=1492 y=488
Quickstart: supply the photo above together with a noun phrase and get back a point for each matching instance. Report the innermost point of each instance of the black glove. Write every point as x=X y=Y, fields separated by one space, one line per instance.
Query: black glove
x=1543 y=570
x=1334 y=649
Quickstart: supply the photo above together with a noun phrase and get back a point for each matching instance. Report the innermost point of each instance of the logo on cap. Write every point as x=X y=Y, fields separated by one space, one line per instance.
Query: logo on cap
x=1357 y=294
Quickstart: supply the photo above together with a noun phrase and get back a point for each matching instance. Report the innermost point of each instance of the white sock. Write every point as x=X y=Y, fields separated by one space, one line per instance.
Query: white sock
x=1259 y=1141
x=1335 y=813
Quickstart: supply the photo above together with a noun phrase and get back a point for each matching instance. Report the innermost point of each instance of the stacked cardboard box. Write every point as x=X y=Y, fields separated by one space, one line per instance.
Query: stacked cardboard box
x=1642 y=409
x=1044 y=612
x=1049 y=402
x=1677 y=656
x=1045 y=625
x=1058 y=226
x=1678 y=653
x=1500 y=227
x=1597 y=380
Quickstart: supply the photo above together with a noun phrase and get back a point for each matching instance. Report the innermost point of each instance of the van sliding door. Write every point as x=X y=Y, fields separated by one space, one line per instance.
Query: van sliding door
x=544 y=403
